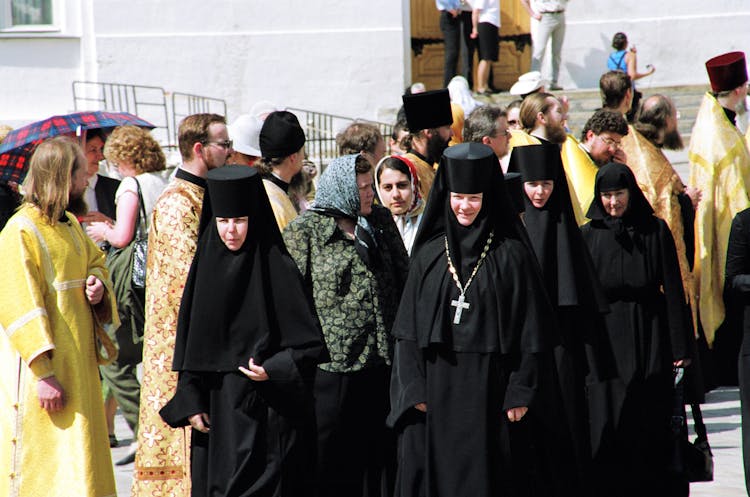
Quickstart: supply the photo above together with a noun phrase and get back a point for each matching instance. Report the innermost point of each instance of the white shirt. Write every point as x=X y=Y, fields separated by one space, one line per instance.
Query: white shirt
x=489 y=11
x=407 y=227
x=90 y=194
x=541 y=6
x=152 y=185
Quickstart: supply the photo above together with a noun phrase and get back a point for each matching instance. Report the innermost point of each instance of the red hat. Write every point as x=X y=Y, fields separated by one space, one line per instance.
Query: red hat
x=727 y=71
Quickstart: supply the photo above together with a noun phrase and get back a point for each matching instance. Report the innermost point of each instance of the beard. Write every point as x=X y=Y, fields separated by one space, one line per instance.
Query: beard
x=77 y=204
x=435 y=147
x=556 y=134
x=672 y=140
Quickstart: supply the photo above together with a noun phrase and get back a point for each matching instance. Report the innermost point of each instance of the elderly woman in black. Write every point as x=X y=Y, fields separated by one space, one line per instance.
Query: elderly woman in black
x=649 y=332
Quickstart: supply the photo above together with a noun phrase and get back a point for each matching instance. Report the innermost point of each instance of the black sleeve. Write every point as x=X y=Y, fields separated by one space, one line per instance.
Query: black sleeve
x=407 y=380
x=737 y=274
x=678 y=313
x=188 y=399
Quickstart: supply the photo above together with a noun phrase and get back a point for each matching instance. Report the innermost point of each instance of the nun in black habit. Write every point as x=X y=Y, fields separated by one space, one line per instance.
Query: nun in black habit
x=244 y=302
x=472 y=320
x=578 y=300
x=648 y=331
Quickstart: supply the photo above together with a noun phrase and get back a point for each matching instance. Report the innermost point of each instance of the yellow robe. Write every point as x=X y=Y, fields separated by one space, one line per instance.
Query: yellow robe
x=162 y=461
x=458 y=124
x=43 y=307
x=720 y=167
x=580 y=170
x=661 y=185
x=425 y=172
x=283 y=209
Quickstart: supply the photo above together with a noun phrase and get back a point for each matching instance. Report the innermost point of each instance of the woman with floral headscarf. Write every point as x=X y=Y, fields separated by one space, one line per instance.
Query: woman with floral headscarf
x=353 y=260
x=397 y=185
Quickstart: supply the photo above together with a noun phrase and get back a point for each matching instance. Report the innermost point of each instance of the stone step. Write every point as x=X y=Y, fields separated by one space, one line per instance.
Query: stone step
x=583 y=103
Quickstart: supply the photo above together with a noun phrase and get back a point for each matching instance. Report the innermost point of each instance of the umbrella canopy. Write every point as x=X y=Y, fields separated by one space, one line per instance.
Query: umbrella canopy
x=16 y=149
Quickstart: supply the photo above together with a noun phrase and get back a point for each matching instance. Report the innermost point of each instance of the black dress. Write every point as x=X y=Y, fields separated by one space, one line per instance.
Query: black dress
x=241 y=304
x=648 y=328
x=471 y=372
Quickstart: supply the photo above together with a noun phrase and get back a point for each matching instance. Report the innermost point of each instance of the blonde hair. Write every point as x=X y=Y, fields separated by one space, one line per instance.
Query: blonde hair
x=135 y=145
x=47 y=184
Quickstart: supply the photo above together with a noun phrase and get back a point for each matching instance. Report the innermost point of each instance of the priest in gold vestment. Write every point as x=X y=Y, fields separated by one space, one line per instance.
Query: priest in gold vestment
x=55 y=290
x=655 y=129
x=720 y=167
x=162 y=461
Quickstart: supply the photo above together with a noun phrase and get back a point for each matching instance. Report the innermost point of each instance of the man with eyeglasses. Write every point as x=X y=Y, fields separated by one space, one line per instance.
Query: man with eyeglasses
x=720 y=166
x=488 y=124
x=162 y=460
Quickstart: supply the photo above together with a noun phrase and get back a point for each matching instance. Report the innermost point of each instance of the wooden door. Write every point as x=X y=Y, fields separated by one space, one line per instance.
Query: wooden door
x=428 y=50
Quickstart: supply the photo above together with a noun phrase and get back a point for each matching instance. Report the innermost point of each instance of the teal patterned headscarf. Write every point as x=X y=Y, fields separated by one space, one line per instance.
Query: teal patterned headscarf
x=338 y=196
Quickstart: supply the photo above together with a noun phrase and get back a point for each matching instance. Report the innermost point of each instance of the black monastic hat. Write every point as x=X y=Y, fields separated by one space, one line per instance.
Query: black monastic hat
x=469 y=167
x=428 y=110
x=536 y=162
x=229 y=188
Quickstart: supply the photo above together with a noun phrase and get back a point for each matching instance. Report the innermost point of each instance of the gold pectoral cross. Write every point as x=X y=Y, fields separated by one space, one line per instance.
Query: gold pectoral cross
x=460 y=305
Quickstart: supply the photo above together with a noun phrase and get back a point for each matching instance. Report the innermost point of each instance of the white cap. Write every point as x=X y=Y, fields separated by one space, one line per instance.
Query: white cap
x=528 y=83
x=245 y=133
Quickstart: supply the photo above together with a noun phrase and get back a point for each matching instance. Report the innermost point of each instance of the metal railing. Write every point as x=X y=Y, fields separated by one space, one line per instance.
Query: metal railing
x=321 y=130
x=186 y=104
x=147 y=102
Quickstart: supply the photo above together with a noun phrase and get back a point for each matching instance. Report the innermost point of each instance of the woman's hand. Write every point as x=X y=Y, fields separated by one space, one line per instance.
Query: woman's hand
x=254 y=372
x=200 y=422
x=97 y=230
x=682 y=363
x=422 y=406
x=516 y=413
x=94 y=289
x=51 y=394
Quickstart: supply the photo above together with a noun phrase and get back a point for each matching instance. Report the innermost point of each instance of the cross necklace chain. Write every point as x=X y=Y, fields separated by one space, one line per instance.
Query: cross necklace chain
x=461 y=303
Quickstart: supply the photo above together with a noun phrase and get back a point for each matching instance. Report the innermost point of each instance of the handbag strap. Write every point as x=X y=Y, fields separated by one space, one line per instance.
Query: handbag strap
x=139 y=231
x=700 y=427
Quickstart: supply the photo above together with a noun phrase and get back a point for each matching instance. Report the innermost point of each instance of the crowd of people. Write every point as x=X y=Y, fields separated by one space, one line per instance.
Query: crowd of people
x=495 y=307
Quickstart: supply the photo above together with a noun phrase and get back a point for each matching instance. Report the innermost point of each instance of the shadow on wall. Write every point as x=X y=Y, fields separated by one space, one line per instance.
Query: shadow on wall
x=587 y=75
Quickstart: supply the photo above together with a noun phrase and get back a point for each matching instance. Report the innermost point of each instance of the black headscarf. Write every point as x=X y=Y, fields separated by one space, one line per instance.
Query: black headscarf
x=245 y=303
x=566 y=265
x=616 y=176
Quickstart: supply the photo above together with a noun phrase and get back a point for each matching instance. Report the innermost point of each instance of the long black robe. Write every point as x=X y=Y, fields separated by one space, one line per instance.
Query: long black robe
x=462 y=443
x=469 y=374
x=648 y=328
x=236 y=305
x=578 y=300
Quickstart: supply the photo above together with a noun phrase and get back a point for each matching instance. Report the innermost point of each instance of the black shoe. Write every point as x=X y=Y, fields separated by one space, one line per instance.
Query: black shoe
x=113 y=441
x=128 y=459
x=555 y=87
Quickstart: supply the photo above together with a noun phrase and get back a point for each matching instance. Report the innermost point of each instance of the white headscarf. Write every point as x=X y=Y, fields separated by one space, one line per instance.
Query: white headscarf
x=461 y=94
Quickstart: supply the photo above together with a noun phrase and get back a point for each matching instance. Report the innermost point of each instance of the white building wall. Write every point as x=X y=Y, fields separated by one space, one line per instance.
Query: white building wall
x=350 y=58
x=344 y=58
x=676 y=36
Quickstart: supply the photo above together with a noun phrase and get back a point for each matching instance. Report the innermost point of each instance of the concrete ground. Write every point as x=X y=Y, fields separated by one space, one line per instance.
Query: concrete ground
x=721 y=413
